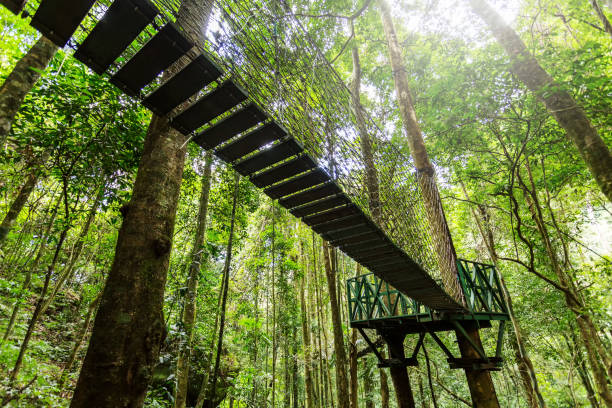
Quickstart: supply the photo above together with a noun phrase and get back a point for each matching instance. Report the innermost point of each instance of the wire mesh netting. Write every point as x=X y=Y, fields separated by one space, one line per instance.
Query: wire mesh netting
x=263 y=48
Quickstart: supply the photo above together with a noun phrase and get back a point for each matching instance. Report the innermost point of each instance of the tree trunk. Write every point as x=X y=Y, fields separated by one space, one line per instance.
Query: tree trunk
x=399 y=374
x=20 y=81
x=445 y=251
x=354 y=391
x=19 y=202
x=226 y=271
x=342 y=386
x=559 y=102
x=129 y=328
x=602 y=17
x=189 y=308
x=480 y=383
x=79 y=340
x=384 y=388
x=368 y=385
x=308 y=383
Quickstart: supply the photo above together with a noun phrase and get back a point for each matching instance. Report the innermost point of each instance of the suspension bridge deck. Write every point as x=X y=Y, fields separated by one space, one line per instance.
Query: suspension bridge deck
x=206 y=104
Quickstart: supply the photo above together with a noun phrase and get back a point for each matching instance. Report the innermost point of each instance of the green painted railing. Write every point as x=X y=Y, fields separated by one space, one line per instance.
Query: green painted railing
x=370 y=298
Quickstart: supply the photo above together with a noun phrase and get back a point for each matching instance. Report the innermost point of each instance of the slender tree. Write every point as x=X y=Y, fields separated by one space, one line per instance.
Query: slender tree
x=198 y=257
x=21 y=80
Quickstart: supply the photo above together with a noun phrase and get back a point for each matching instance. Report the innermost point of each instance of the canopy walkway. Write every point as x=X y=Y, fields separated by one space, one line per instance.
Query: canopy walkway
x=264 y=98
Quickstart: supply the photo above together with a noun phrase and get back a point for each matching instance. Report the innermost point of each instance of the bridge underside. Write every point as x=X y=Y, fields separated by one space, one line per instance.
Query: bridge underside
x=204 y=103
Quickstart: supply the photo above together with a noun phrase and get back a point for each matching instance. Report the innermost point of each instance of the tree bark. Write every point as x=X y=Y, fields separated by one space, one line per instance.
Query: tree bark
x=445 y=251
x=559 y=102
x=189 y=308
x=129 y=329
x=20 y=82
x=384 y=388
x=342 y=386
x=354 y=391
x=480 y=383
x=21 y=199
x=399 y=373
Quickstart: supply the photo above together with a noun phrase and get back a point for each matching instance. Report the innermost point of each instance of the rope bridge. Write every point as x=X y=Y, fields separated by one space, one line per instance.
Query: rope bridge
x=263 y=96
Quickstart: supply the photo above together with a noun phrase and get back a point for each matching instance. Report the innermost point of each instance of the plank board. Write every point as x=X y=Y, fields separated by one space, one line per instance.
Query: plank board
x=222 y=131
x=58 y=19
x=288 y=169
x=119 y=26
x=185 y=83
x=161 y=51
x=218 y=101
x=310 y=179
x=268 y=157
x=15 y=6
x=250 y=142
x=321 y=205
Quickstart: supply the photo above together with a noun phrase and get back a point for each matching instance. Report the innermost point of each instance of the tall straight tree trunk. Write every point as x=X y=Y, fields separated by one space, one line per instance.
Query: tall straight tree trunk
x=479 y=381
x=189 y=309
x=384 y=388
x=22 y=198
x=129 y=328
x=226 y=271
x=308 y=383
x=559 y=102
x=368 y=385
x=342 y=386
x=354 y=385
x=20 y=82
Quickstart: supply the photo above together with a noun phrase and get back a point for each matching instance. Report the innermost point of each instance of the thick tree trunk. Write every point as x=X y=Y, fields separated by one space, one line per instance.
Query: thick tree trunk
x=602 y=17
x=384 y=388
x=129 y=328
x=559 y=102
x=342 y=386
x=308 y=383
x=189 y=308
x=479 y=381
x=368 y=384
x=21 y=81
x=399 y=374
